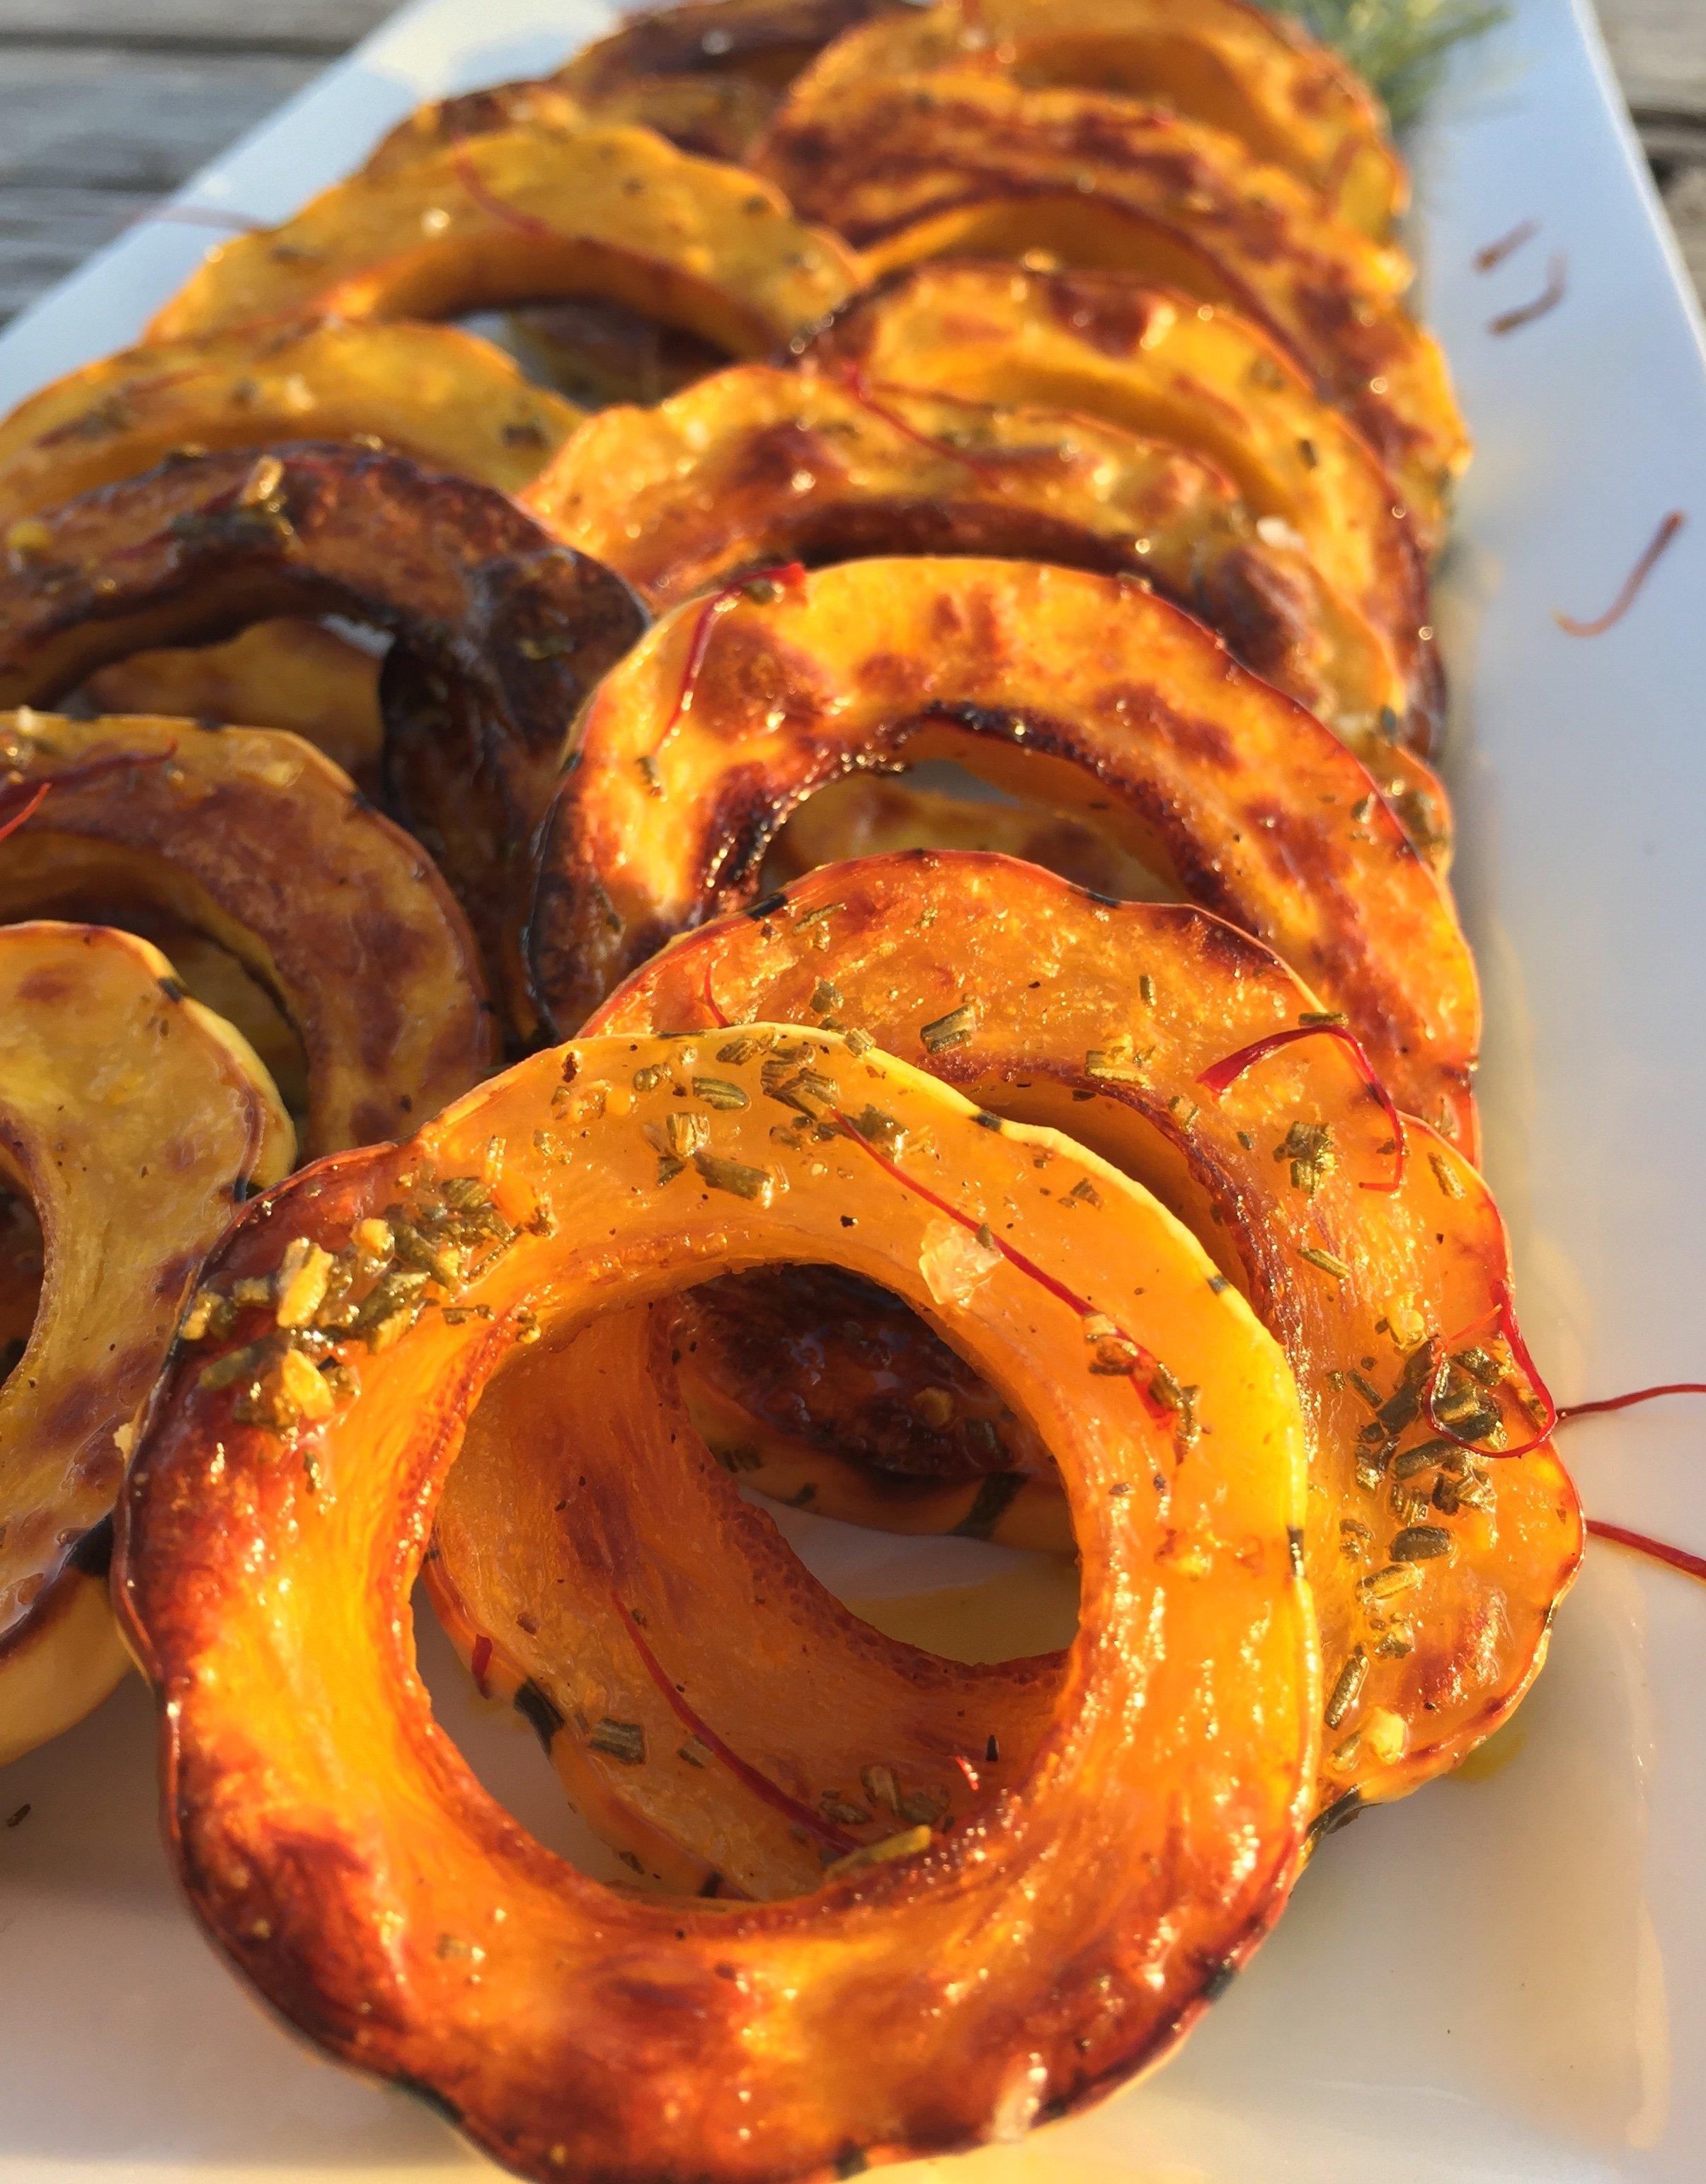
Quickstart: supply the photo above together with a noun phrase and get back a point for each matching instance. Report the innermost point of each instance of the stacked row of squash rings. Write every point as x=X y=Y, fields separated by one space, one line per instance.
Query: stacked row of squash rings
x=1075 y=432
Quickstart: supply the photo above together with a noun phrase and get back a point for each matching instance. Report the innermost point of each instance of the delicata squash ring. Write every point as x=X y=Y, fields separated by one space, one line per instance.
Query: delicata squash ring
x=132 y=1120
x=523 y=216
x=1260 y=77
x=1164 y=364
x=1086 y=691
x=1435 y=1567
x=253 y=838
x=755 y=464
x=500 y=629
x=340 y=1852
x=889 y=154
x=442 y=397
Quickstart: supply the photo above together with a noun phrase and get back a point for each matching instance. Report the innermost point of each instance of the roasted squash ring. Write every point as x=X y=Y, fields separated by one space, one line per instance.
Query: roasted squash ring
x=1435 y=1571
x=1161 y=364
x=1288 y=99
x=759 y=1700
x=1087 y=692
x=253 y=838
x=525 y=215
x=131 y=1120
x=444 y=397
x=526 y=104
x=500 y=630
x=708 y=74
x=755 y=464
x=891 y=155
x=340 y=1852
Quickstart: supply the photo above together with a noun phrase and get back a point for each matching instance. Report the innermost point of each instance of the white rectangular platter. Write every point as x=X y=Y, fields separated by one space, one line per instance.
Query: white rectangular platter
x=1505 y=1978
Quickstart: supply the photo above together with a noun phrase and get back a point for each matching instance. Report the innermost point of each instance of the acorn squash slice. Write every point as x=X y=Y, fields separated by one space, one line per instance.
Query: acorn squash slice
x=1289 y=99
x=499 y=629
x=132 y=1120
x=1088 y=693
x=757 y=465
x=341 y=1853
x=1208 y=220
x=444 y=397
x=523 y=215
x=253 y=840
x=1162 y=365
x=1435 y=1570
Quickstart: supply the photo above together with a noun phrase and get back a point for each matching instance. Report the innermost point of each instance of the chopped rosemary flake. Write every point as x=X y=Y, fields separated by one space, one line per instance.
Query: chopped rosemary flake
x=844 y=1815
x=719 y=1092
x=683 y=1134
x=742 y=1048
x=1319 y=1017
x=951 y=1030
x=882 y=1128
x=1347 y=1687
x=736 y=1177
x=695 y=1753
x=649 y=1078
x=618 y=1739
x=1326 y=1261
x=859 y=1042
x=826 y=998
x=1388 y=1583
x=816 y=916
x=1308 y=1146
x=1444 y=1176
x=1146 y=987
x=1085 y=1192
x=1420 y=1543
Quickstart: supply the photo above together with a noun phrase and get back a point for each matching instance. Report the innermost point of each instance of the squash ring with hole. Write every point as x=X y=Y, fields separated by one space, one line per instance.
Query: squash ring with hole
x=442 y=396
x=254 y=840
x=892 y=155
x=1101 y=1019
x=132 y=1120
x=1286 y=97
x=1162 y=365
x=500 y=630
x=525 y=215
x=754 y=466
x=1085 y=692
x=340 y=1852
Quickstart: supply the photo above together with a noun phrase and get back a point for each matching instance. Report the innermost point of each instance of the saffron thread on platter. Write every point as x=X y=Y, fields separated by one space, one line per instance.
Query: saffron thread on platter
x=231 y=223
x=1495 y=254
x=1567 y=1411
x=1658 y=1551
x=1632 y=583
x=1548 y=299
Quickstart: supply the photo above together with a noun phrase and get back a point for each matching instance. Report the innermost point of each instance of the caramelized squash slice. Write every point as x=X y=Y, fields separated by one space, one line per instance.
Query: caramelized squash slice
x=757 y=465
x=941 y=1986
x=132 y=1120
x=1434 y=1570
x=1087 y=692
x=499 y=629
x=520 y=216
x=1160 y=364
x=444 y=397
x=254 y=840
x=1289 y=99
x=892 y=153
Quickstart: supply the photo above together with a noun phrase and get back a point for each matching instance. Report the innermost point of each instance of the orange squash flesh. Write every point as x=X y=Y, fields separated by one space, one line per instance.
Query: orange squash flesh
x=499 y=629
x=254 y=840
x=1289 y=99
x=1162 y=365
x=528 y=216
x=131 y=1120
x=755 y=465
x=343 y=1856
x=1088 y=692
x=1434 y=1576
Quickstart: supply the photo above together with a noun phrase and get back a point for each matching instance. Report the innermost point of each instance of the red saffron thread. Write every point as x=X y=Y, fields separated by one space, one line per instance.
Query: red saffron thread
x=1548 y=299
x=858 y=386
x=525 y=223
x=1495 y=254
x=1145 y=1361
x=713 y=1005
x=32 y=805
x=786 y=573
x=761 y=1785
x=1569 y=1411
x=1502 y=1315
x=479 y=1660
x=1219 y=1075
x=1631 y=584
x=1658 y=1551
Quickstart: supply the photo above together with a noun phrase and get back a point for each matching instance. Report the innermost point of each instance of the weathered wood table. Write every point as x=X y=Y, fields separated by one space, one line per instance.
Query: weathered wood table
x=106 y=104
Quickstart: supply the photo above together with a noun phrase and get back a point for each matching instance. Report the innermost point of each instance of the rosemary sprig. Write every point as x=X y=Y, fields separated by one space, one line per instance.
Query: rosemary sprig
x=1398 y=46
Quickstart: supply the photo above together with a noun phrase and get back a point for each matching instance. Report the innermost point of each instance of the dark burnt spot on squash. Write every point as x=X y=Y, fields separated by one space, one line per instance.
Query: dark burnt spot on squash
x=1143 y=707
x=540 y=1711
x=1114 y=317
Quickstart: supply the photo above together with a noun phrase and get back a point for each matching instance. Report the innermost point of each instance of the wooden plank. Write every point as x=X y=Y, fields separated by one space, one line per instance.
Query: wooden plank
x=323 y=27
x=1659 y=47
